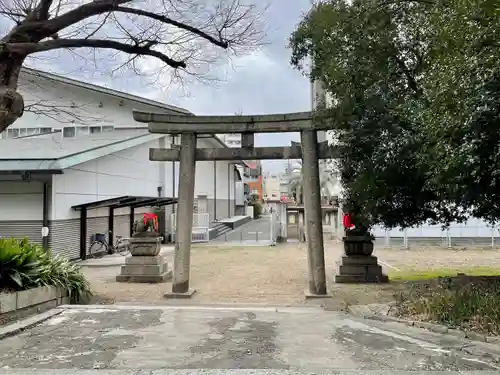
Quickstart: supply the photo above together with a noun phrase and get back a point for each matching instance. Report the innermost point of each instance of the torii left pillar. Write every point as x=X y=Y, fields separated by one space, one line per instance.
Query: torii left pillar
x=182 y=255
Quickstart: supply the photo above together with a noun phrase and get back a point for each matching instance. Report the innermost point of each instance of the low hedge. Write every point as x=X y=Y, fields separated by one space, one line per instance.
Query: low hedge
x=25 y=265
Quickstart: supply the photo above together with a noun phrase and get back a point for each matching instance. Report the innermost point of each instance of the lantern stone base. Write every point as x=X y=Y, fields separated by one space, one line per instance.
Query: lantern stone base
x=145 y=269
x=359 y=269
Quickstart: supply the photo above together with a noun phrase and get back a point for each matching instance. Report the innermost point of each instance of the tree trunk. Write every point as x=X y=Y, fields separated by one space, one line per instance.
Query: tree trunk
x=11 y=101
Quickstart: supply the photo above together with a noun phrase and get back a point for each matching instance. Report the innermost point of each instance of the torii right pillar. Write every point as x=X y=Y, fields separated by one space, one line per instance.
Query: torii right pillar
x=313 y=216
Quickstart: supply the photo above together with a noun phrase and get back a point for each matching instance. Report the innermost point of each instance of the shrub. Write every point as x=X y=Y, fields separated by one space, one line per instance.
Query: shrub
x=474 y=306
x=257 y=208
x=20 y=265
x=24 y=265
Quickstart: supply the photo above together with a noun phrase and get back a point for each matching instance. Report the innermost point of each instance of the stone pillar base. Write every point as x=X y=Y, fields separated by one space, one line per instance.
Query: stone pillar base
x=360 y=269
x=145 y=269
x=309 y=295
x=173 y=295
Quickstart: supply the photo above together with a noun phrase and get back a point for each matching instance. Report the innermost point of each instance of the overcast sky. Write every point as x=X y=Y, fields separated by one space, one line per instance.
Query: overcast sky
x=261 y=83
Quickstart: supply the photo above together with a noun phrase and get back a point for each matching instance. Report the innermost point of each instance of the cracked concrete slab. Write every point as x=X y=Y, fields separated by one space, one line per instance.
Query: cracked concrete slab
x=158 y=340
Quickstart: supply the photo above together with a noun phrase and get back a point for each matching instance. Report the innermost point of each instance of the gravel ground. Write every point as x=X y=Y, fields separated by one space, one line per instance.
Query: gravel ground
x=277 y=275
x=439 y=257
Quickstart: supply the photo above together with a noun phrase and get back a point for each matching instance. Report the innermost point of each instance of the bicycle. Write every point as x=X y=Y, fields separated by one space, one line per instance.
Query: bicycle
x=100 y=246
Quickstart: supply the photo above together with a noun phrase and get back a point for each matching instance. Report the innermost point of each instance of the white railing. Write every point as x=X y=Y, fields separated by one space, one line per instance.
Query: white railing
x=455 y=236
x=276 y=227
x=201 y=227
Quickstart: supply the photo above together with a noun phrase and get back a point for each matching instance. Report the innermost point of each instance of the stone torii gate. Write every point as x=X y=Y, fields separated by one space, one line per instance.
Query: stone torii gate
x=189 y=127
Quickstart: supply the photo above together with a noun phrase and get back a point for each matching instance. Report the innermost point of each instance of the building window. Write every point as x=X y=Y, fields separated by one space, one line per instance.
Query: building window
x=12 y=133
x=100 y=129
x=82 y=130
x=23 y=132
x=73 y=131
x=69 y=132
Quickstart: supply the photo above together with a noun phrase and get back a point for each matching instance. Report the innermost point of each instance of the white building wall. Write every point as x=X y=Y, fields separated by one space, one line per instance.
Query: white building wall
x=21 y=208
x=21 y=200
x=129 y=172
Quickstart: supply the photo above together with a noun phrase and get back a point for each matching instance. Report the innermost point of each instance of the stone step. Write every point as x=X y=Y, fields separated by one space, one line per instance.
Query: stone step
x=373 y=269
x=358 y=260
x=361 y=279
x=360 y=269
x=144 y=269
x=145 y=260
x=161 y=278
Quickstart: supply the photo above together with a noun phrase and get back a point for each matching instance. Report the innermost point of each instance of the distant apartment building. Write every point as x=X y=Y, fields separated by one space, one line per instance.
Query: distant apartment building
x=272 y=187
x=254 y=178
x=252 y=172
x=231 y=140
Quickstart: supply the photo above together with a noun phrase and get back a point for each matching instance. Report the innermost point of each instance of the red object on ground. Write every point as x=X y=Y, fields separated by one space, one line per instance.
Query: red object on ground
x=347 y=220
x=153 y=217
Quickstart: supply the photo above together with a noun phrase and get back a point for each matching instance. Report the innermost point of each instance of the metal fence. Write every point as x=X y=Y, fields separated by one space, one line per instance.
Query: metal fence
x=454 y=237
x=201 y=227
x=260 y=231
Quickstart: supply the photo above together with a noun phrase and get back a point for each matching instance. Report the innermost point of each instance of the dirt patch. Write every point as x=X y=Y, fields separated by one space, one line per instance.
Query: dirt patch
x=223 y=274
x=278 y=275
x=427 y=257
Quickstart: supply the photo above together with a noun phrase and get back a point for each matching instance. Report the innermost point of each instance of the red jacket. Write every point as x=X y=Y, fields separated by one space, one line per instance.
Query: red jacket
x=154 y=218
x=347 y=221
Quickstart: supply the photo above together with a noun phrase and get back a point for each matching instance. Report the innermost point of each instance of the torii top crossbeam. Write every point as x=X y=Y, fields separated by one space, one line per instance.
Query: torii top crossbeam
x=246 y=125
x=275 y=123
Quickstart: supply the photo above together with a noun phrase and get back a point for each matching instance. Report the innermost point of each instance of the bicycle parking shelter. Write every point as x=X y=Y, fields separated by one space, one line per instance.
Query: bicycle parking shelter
x=111 y=204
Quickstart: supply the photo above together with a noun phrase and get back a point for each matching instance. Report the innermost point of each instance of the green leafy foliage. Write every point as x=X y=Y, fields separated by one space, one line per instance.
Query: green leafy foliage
x=24 y=265
x=416 y=90
x=20 y=264
x=257 y=207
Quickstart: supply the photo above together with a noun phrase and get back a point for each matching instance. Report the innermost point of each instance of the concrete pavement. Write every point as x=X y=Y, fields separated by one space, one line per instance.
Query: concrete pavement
x=238 y=372
x=221 y=340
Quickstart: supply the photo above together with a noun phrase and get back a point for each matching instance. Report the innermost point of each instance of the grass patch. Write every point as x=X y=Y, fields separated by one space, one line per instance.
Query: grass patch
x=470 y=302
x=472 y=307
x=429 y=274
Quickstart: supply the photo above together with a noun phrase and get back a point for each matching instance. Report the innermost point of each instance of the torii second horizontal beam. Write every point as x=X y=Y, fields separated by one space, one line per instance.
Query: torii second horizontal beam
x=239 y=154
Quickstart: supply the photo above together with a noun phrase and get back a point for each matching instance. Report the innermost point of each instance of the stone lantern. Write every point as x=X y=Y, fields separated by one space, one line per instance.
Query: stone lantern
x=358 y=265
x=145 y=263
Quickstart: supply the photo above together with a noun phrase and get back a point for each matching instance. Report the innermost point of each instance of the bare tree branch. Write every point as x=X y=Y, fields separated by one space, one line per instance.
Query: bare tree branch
x=218 y=42
x=186 y=36
x=143 y=50
x=41 y=12
x=46 y=29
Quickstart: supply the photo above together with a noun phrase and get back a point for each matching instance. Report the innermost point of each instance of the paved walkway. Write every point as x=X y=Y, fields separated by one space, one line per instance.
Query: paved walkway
x=138 y=340
x=255 y=231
